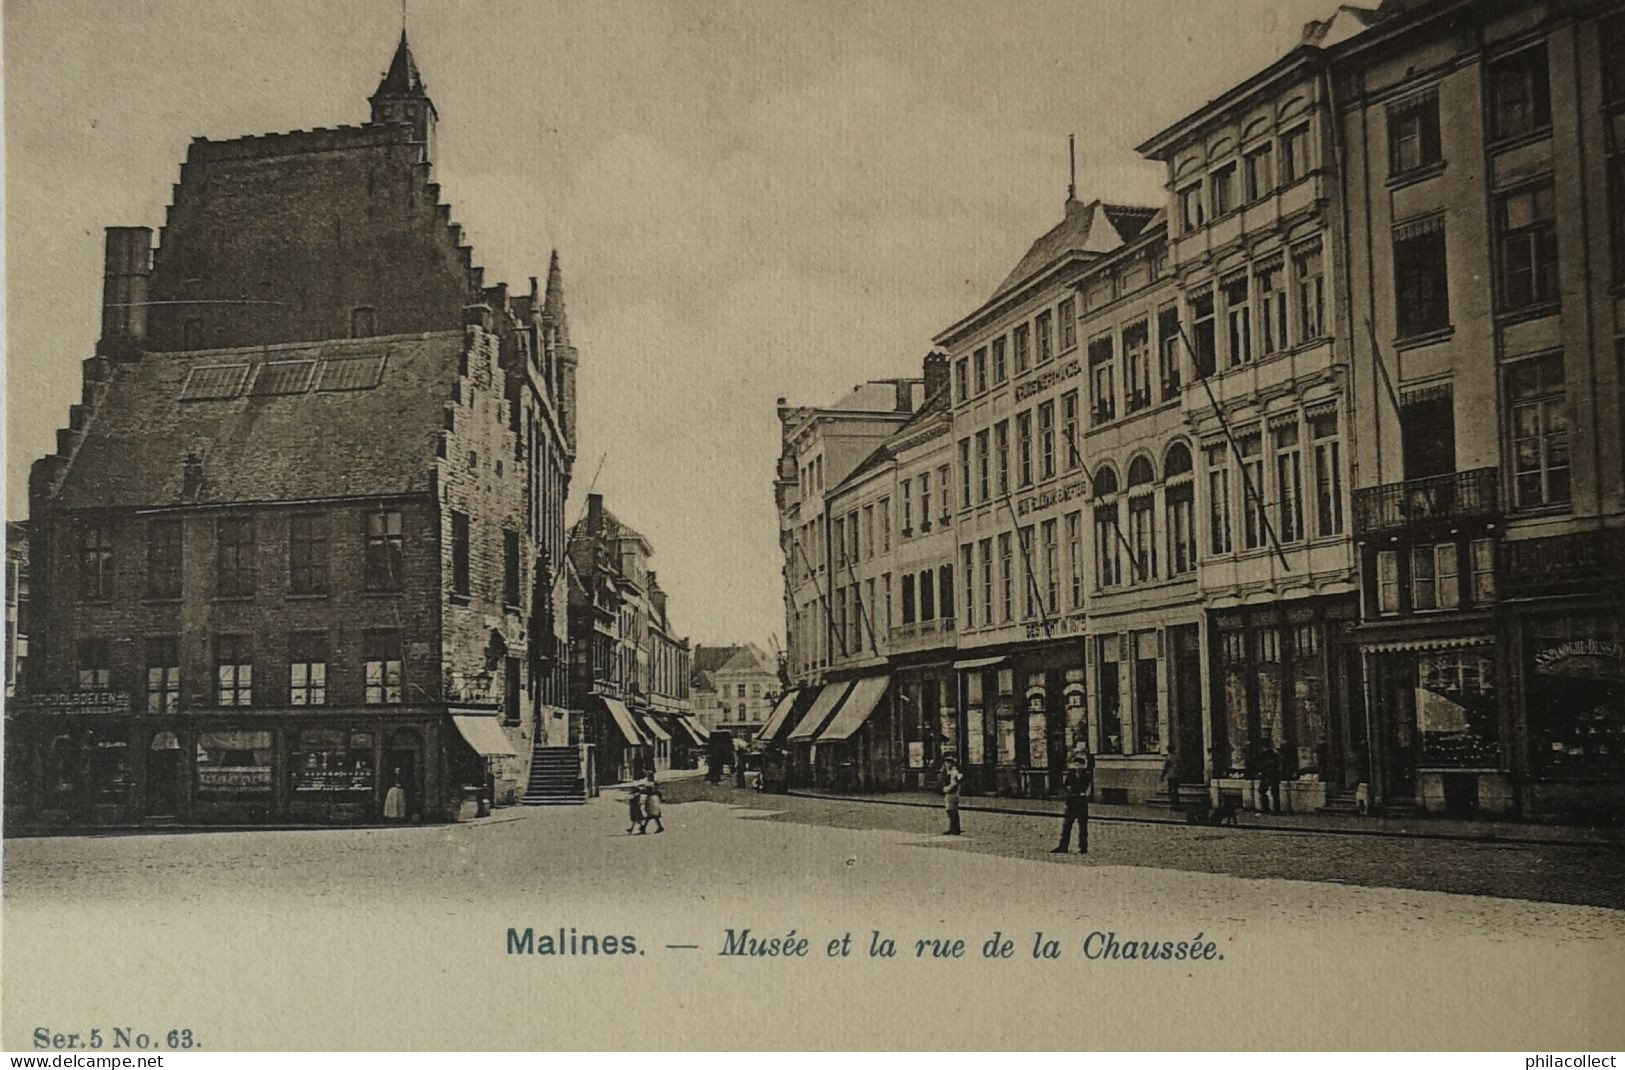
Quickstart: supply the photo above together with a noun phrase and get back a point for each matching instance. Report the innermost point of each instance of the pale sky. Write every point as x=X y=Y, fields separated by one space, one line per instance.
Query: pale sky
x=750 y=199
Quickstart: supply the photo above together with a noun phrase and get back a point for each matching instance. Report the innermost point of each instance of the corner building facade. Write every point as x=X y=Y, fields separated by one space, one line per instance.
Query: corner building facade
x=302 y=538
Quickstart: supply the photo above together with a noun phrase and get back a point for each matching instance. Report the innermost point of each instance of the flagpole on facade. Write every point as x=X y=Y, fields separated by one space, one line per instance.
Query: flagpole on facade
x=1235 y=449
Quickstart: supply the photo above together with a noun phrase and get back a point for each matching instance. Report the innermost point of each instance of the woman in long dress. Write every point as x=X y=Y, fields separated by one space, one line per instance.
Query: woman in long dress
x=395 y=800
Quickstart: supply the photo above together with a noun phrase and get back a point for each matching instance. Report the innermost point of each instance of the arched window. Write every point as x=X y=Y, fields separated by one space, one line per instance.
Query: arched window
x=1177 y=461
x=1108 y=537
x=1179 y=509
x=1142 y=519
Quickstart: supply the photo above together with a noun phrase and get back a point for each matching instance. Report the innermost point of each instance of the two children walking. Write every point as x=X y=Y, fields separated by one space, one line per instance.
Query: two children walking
x=643 y=806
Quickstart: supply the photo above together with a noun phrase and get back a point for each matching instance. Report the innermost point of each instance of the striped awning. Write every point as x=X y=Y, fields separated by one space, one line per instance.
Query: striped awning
x=781 y=713
x=824 y=707
x=623 y=720
x=1409 y=646
x=866 y=695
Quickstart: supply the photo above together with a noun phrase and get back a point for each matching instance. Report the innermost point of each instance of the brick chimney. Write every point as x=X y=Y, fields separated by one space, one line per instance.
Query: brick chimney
x=127 y=263
x=936 y=373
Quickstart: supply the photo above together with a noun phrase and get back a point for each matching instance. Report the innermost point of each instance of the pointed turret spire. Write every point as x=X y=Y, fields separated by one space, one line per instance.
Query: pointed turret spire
x=402 y=79
x=553 y=313
x=402 y=98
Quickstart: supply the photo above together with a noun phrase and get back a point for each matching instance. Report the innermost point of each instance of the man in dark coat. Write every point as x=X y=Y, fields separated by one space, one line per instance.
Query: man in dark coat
x=1080 y=777
x=1269 y=779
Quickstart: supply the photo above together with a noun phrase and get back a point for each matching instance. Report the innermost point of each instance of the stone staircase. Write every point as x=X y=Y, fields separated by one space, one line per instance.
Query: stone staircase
x=555 y=778
x=1341 y=802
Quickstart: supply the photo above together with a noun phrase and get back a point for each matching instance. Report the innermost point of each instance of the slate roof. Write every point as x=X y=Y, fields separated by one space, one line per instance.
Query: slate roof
x=712 y=658
x=402 y=79
x=257 y=446
x=748 y=659
x=1095 y=227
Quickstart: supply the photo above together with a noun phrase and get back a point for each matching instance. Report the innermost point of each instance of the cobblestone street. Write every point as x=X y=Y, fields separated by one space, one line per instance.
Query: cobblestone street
x=1585 y=873
x=423 y=912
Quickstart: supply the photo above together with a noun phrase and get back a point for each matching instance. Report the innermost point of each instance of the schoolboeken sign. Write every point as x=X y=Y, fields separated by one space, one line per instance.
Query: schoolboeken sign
x=73 y=703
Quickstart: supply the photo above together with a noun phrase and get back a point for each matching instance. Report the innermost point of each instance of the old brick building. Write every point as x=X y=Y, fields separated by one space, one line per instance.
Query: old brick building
x=630 y=671
x=301 y=538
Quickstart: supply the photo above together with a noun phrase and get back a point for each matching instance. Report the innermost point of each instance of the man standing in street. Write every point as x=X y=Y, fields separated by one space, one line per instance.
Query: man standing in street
x=1269 y=778
x=950 y=793
x=1170 y=777
x=1080 y=776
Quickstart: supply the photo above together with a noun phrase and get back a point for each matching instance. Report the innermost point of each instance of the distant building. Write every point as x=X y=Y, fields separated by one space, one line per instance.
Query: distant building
x=301 y=537
x=629 y=669
x=739 y=693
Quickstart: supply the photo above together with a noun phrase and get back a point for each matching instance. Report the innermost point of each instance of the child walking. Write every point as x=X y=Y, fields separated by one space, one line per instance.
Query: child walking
x=634 y=806
x=651 y=804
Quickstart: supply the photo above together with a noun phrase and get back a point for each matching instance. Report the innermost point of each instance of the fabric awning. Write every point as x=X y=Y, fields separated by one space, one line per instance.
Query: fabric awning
x=780 y=714
x=655 y=728
x=866 y=695
x=623 y=720
x=483 y=734
x=978 y=663
x=828 y=700
x=690 y=730
x=697 y=728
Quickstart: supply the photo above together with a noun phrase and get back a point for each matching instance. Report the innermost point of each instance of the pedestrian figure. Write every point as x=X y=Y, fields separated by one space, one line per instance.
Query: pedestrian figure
x=739 y=766
x=1080 y=776
x=1170 y=776
x=395 y=799
x=634 y=807
x=950 y=793
x=651 y=805
x=1269 y=779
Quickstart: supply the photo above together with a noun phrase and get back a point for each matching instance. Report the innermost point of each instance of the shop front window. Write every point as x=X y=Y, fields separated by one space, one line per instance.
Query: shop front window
x=333 y=759
x=233 y=763
x=1575 y=693
x=1147 y=723
x=1108 y=684
x=1456 y=710
x=107 y=768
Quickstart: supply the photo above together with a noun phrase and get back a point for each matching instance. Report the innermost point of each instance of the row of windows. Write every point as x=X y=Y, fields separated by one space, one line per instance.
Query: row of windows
x=1029 y=344
x=233 y=657
x=1264 y=167
x=309 y=561
x=1435 y=576
x=1269 y=494
x=866 y=613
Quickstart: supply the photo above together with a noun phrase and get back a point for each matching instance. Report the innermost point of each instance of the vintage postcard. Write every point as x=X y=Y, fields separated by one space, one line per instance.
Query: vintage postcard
x=749 y=524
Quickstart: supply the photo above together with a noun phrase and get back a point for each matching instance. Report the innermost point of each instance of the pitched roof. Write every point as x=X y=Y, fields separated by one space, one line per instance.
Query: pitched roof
x=278 y=423
x=1095 y=227
x=702 y=680
x=748 y=659
x=712 y=658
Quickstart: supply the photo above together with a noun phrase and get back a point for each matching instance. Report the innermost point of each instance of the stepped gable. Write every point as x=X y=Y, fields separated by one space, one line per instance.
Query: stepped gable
x=292 y=422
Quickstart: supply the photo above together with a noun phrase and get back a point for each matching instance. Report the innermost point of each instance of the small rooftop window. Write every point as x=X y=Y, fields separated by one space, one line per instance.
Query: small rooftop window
x=351 y=373
x=214 y=381
x=283 y=377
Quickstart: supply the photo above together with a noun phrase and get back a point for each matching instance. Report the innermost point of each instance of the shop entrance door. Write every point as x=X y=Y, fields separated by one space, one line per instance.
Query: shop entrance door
x=1187 y=701
x=1399 y=712
x=163 y=775
x=403 y=758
